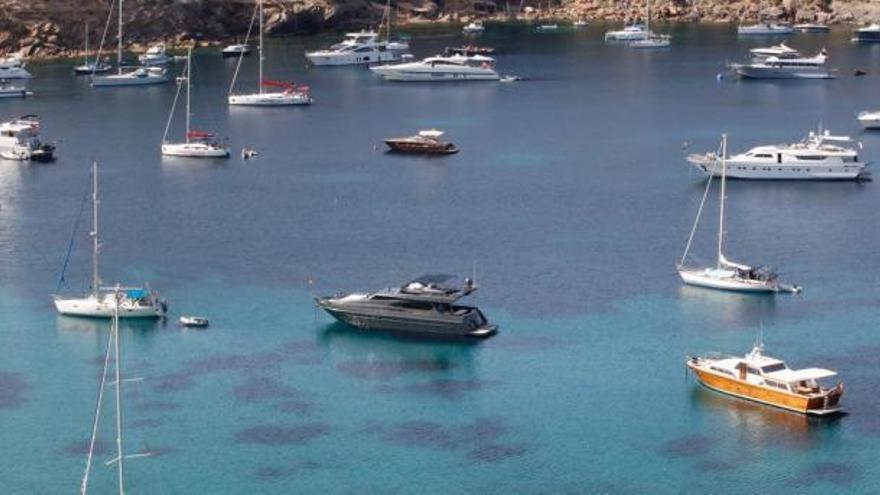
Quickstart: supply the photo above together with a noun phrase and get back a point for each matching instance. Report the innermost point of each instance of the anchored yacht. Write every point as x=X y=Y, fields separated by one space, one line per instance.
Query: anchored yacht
x=870 y=34
x=785 y=68
x=427 y=142
x=198 y=144
x=812 y=27
x=632 y=32
x=765 y=29
x=19 y=140
x=107 y=301
x=819 y=156
x=870 y=119
x=768 y=380
x=475 y=27
x=155 y=55
x=454 y=68
x=426 y=306
x=727 y=275
x=129 y=76
x=13 y=68
x=359 y=48
x=236 y=50
x=780 y=51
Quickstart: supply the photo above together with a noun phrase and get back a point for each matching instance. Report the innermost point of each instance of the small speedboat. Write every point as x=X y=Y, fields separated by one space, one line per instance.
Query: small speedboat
x=425 y=142
x=869 y=34
x=870 y=119
x=236 y=50
x=780 y=51
x=155 y=55
x=475 y=27
x=194 y=321
x=579 y=24
x=547 y=28
x=811 y=27
x=510 y=79
x=9 y=91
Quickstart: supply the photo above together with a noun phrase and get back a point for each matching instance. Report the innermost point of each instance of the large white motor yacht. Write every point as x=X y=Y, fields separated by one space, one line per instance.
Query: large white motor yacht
x=869 y=33
x=785 y=68
x=19 y=140
x=765 y=29
x=359 y=48
x=441 y=69
x=632 y=32
x=819 y=156
x=13 y=68
x=155 y=55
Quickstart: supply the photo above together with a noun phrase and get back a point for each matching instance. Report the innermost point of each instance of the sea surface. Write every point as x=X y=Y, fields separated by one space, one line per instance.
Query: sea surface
x=571 y=198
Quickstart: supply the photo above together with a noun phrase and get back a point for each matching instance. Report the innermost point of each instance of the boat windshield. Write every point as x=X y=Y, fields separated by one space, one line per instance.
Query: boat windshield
x=773 y=367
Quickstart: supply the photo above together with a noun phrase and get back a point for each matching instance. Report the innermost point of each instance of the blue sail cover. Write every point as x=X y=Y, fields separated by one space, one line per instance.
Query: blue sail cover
x=137 y=293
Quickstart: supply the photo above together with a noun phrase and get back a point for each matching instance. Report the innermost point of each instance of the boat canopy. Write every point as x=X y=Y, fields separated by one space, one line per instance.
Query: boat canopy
x=806 y=374
x=137 y=293
x=431 y=133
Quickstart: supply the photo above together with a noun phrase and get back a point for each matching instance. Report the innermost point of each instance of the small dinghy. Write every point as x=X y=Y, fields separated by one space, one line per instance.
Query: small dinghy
x=194 y=321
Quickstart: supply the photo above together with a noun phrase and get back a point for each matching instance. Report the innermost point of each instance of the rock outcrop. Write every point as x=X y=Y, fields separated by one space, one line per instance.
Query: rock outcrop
x=56 y=28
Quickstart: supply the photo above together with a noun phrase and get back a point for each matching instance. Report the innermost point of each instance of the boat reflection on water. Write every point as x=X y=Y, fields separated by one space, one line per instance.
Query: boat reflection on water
x=88 y=326
x=761 y=426
x=728 y=309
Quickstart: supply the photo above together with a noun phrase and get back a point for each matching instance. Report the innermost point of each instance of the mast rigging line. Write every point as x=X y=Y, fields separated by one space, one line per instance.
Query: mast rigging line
x=82 y=207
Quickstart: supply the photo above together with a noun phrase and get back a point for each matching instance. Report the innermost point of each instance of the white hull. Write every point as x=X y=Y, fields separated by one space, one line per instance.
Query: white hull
x=724 y=280
x=752 y=72
x=270 y=99
x=13 y=92
x=870 y=120
x=764 y=30
x=648 y=44
x=194 y=150
x=154 y=59
x=129 y=79
x=350 y=58
x=93 y=307
x=395 y=73
x=14 y=73
x=779 y=171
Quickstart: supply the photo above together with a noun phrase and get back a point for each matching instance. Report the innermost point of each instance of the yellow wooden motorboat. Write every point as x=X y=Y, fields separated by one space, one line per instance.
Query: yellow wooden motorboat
x=769 y=381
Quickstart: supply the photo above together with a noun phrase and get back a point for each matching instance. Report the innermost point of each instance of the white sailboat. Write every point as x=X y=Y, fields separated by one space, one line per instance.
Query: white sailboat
x=112 y=345
x=288 y=94
x=87 y=67
x=104 y=302
x=651 y=40
x=198 y=144
x=727 y=275
x=137 y=76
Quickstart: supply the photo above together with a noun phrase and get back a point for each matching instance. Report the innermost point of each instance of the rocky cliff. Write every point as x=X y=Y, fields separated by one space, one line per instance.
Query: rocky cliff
x=51 y=28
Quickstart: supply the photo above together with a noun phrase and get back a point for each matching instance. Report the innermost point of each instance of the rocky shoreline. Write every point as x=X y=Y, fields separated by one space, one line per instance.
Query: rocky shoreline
x=49 y=29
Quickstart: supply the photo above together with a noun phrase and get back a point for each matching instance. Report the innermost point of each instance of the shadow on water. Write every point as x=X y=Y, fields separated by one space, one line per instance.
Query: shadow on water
x=731 y=309
x=89 y=326
x=762 y=426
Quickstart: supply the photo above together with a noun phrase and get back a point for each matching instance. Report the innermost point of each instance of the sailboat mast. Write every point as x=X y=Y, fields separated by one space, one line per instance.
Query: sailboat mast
x=96 y=242
x=188 y=82
x=87 y=43
x=260 y=80
x=723 y=183
x=120 y=457
x=119 y=41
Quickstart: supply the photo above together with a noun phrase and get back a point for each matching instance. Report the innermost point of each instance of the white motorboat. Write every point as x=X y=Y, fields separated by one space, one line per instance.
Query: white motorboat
x=870 y=119
x=236 y=50
x=358 y=48
x=155 y=55
x=475 y=27
x=779 y=51
x=129 y=76
x=819 y=156
x=579 y=24
x=632 y=32
x=286 y=94
x=8 y=90
x=194 y=321
x=811 y=27
x=547 y=28
x=455 y=68
x=106 y=301
x=785 y=68
x=20 y=141
x=198 y=144
x=96 y=66
x=870 y=33
x=727 y=275
x=765 y=29
x=12 y=67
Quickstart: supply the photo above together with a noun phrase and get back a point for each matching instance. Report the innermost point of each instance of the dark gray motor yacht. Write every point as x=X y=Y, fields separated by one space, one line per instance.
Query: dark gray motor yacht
x=426 y=306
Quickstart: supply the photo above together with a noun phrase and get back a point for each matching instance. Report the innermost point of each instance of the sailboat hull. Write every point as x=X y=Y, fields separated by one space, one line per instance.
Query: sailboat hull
x=98 y=307
x=270 y=99
x=712 y=278
x=129 y=79
x=195 y=150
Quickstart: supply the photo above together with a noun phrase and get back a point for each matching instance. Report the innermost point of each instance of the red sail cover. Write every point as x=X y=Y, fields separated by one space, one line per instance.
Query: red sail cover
x=199 y=135
x=278 y=84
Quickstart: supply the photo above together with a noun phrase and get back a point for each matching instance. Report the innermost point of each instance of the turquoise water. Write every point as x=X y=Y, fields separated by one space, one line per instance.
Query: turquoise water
x=571 y=195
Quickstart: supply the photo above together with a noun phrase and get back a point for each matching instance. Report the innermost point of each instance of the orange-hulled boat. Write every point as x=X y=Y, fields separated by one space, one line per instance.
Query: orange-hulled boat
x=769 y=381
x=425 y=142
